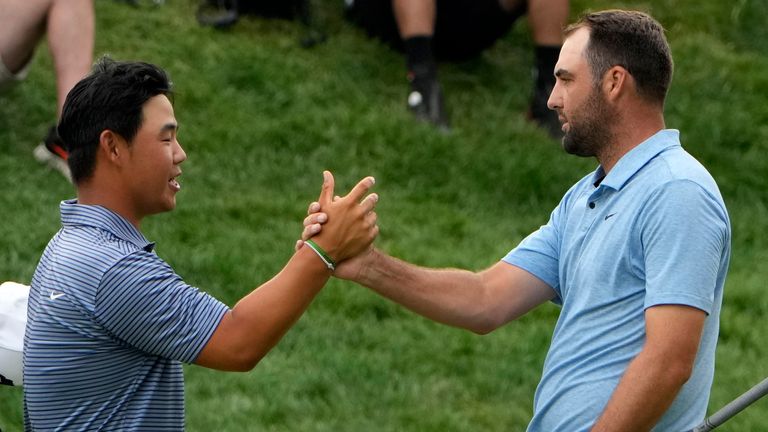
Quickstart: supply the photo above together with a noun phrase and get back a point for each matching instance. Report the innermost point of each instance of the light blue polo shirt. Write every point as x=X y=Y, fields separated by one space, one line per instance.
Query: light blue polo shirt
x=654 y=231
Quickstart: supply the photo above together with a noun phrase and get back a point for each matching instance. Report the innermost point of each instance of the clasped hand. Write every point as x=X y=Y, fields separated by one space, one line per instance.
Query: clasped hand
x=348 y=223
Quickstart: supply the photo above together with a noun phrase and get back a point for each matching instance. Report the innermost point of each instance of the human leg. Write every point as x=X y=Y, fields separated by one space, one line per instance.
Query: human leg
x=22 y=25
x=71 y=32
x=407 y=26
x=547 y=18
x=416 y=26
x=71 y=28
x=415 y=17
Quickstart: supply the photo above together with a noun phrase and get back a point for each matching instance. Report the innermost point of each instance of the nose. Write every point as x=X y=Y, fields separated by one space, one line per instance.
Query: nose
x=179 y=155
x=555 y=101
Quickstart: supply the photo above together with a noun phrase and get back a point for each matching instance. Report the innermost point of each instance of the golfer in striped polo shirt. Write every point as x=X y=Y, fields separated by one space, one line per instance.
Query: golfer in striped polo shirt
x=110 y=323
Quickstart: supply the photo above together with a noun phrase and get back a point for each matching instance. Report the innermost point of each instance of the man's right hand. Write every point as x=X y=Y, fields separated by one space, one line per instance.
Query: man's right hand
x=350 y=222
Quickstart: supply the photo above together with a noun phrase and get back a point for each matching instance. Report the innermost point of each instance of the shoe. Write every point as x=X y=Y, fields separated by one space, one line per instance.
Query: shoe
x=52 y=153
x=425 y=101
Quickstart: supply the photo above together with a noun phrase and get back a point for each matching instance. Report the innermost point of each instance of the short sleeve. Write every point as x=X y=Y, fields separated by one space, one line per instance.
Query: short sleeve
x=685 y=238
x=539 y=253
x=145 y=304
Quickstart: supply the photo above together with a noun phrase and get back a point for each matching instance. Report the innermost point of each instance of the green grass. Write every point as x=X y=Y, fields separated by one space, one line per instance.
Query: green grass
x=261 y=118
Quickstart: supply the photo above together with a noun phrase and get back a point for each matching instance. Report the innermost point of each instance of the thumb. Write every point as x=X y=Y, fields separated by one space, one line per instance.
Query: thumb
x=326 y=193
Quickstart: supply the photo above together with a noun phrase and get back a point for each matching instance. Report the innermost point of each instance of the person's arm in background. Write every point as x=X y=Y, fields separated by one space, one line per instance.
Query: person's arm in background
x=259 y=320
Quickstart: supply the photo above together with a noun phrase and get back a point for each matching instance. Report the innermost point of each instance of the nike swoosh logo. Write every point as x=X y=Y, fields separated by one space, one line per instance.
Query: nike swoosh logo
x=610 y=215
x=55 y=295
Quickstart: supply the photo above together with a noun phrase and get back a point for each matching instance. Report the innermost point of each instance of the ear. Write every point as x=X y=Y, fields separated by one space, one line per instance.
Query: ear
x=616 y=82
x=111 y=146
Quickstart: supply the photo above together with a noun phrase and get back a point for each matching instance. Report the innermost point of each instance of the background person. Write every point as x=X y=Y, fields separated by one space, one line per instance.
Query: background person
x=70 y=27
x=109 y=321
x=636 y=253
x=456 y=30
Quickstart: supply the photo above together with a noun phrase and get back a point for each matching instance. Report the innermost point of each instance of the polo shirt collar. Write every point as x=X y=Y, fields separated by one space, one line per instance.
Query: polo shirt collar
x=74 y=214
x=638 y=157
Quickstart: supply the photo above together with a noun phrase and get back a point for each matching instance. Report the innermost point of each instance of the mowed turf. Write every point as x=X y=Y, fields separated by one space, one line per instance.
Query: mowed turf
x=261 y=118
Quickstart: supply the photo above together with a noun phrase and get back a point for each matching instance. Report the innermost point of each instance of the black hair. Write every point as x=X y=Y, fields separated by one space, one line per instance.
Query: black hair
x=111 y=97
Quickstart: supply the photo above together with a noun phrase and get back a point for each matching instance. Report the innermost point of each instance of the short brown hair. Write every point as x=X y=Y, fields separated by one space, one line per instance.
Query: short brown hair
x=632 y=40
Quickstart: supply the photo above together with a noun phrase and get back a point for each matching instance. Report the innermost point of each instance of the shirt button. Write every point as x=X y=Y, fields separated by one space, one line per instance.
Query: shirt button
x=592 y=205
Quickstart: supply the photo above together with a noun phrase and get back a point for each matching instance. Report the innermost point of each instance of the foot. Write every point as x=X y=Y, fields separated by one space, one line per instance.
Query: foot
x=52 y=153
x=425 y=101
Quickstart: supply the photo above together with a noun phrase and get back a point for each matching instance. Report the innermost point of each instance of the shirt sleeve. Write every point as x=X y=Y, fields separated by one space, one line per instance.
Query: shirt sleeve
x=685 y=238
x=539 y=253
x=145 y=304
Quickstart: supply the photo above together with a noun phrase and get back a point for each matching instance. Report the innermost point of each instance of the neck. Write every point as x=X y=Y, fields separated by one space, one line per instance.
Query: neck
x=89 y=194
x=635 y=127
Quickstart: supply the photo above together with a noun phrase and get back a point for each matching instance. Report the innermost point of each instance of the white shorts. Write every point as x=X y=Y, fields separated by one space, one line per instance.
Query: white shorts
x=7 y=78
x=13 y=323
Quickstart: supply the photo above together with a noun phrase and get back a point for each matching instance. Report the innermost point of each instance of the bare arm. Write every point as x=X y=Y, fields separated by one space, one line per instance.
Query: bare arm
x=480 y=302
x=259 y=320
x=655 y=376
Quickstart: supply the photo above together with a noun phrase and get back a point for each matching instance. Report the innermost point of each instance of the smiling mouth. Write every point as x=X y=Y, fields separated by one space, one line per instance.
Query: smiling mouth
x=174 y=184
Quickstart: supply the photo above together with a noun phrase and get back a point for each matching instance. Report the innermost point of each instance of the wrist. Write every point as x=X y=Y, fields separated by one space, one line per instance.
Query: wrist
x=369 y=268
x=322 y=254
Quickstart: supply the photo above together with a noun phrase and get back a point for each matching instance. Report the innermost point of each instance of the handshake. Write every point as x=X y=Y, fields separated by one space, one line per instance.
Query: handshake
x=341 y=229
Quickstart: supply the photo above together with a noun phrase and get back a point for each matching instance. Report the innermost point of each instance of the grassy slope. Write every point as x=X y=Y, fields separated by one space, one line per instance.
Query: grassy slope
x=262 y=117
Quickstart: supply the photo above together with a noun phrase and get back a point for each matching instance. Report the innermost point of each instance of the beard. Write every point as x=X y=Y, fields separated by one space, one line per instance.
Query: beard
x=589 y=131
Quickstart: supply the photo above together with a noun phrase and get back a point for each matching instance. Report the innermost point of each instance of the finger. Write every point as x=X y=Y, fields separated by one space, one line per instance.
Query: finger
x=327 y=191
x=310 y=231
x=361 y=188
x=371 y=218
x=313 y=207
x=319 y=218
x=298 y=245
x=370 y=202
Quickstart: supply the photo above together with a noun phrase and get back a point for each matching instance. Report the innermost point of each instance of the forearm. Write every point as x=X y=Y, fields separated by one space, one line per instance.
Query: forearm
x=645 y=392
x=450 y=296
x=260 y=319
x=654 y=378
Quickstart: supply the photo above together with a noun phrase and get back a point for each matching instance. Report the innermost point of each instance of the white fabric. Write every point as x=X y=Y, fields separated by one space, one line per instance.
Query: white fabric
x=13 y=321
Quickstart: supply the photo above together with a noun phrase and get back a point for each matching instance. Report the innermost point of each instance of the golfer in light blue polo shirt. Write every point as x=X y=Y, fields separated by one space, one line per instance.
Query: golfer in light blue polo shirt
x=636 y=253
x=653 y=231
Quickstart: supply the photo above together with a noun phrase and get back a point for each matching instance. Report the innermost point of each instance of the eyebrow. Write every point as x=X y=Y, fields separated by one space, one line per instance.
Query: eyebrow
x=169 y=126
x=560 y=73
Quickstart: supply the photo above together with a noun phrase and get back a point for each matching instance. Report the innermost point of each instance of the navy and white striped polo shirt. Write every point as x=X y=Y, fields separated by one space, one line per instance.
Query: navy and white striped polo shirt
x=109 y=325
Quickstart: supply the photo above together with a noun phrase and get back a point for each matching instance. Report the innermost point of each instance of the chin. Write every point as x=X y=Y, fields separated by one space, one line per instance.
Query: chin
x=167 y=206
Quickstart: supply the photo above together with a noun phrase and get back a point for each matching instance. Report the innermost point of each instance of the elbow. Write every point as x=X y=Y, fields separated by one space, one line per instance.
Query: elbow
x=484 y=325
x=482 y=331
x=675 y=370
x=490 y=317
x=245 y=365
x=680 y=372
x=244 y=361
